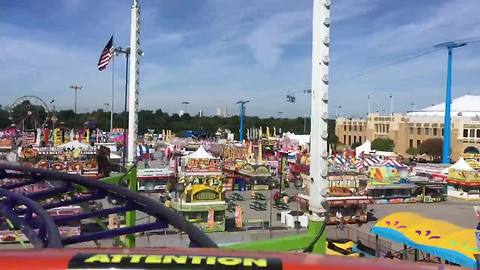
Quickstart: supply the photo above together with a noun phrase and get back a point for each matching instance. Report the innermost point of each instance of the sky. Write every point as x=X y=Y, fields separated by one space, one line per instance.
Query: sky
x=213 y=53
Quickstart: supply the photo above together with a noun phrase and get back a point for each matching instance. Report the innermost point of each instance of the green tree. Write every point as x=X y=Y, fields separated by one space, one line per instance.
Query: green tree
x=432 y=147
x=356 y=144
x=383 y=144
x=412 y=151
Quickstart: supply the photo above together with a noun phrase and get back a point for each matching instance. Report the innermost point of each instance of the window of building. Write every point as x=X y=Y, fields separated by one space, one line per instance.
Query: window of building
x=344 y=138
x=349 y=128
x=344 y=127
x=354 y=128
x=411 y=130
x=411 y=143
x=427 y=131
x=443 y=131
x=472 y=133
x=465 y=133
x=418 y=143
x=360 y=128
x=478 y=133
x=349 y=140
x=434 y=131
x=419 y=131
x=354 y=139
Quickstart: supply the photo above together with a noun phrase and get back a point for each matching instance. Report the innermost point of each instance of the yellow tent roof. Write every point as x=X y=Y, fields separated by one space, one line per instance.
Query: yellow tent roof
x=436 y=237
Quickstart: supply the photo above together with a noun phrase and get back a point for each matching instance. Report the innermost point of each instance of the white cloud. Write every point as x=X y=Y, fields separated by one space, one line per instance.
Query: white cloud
x=268 y=39
x=348 y=9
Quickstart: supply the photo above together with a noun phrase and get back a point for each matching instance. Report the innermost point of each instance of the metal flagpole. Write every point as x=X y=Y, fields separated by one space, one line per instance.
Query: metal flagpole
x=113 y=87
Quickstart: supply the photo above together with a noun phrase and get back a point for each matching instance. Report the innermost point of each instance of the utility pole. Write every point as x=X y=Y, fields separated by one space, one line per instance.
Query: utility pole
x=448 y=99
x=76 y=88
x=242 y=115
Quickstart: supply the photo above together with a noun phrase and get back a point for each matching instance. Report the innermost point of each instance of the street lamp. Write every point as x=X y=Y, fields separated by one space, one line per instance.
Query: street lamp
x=76 y=88
x=126 y=52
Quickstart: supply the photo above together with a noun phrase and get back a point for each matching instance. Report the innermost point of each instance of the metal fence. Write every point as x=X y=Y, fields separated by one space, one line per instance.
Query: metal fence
x=352 y=233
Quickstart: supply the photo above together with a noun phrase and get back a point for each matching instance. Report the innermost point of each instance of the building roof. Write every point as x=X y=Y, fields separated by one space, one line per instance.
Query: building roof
x=467 y=105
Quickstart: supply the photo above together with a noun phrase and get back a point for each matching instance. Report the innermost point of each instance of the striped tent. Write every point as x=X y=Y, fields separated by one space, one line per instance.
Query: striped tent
x=393 y=163
x=339 y=160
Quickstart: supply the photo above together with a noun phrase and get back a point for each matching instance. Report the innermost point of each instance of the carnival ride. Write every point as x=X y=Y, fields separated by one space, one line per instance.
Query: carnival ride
x=29 y=113
x=27 y=211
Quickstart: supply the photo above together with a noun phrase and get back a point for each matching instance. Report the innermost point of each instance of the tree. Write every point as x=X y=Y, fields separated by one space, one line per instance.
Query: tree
x=432 y=147
x=383 y=144
x=355 y=145
x=412 y=151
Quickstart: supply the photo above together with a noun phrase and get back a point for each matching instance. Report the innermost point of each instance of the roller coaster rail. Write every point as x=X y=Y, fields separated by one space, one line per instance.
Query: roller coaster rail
x=28 y=210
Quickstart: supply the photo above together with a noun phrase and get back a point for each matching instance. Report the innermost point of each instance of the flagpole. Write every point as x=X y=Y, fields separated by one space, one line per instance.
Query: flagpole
x=113 y=88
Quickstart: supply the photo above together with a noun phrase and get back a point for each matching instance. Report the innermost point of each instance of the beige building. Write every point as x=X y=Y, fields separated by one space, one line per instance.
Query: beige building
x=411 y=129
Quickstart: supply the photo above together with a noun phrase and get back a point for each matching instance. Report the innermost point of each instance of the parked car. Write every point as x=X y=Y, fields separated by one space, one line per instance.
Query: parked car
x=258 y=196
x=236 y=197
x=258 y=206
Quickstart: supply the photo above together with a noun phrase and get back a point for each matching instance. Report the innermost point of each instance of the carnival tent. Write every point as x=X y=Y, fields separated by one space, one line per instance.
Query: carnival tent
x=461 y=165
x=340 y=160
x=435 y=237
x=393 y=163
x=200 y=153
x=365 y=148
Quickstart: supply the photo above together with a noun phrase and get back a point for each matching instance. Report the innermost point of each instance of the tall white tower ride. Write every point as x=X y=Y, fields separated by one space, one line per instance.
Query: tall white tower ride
x=135 y=54
x=319 y=117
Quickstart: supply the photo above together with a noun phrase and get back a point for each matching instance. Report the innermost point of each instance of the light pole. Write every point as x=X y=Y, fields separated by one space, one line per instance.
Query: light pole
x=280 y=115
x=448 y=99
x=76 y=88
x=391 y=104
x=185 y=103
x=107 y=105
x=126 y=52
x=242 y=115
x=369 y=103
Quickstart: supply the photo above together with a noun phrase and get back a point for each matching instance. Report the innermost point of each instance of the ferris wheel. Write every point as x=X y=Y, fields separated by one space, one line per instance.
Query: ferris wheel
x=29 y=113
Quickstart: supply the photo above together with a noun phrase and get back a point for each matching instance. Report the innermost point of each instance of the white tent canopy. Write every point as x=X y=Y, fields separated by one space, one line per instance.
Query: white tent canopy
x=365 y=148
x=201 y=153
x=302 y=139
x=461 y=165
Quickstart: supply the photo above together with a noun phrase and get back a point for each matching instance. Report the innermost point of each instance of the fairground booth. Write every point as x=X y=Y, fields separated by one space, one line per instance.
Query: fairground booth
x=201 y=192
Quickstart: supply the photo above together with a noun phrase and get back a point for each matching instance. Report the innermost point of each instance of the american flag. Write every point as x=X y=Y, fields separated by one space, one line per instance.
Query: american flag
x=106 y=55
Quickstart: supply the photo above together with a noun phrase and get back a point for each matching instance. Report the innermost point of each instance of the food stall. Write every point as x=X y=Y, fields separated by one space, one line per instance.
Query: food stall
x=155 y=179
x=201 y=193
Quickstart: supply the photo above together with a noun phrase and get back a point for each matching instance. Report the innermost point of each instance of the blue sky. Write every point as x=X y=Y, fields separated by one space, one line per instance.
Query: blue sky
x=213 y=53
